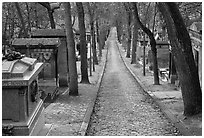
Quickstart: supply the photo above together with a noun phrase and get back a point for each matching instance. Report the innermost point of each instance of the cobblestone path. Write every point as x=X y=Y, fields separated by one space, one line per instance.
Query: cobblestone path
x=121 y=106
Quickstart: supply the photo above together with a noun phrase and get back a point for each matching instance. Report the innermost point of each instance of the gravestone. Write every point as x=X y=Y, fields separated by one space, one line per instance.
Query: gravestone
x=22 y=107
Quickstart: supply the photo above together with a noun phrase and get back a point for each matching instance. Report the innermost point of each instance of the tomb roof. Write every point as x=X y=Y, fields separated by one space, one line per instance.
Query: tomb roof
x=36 y=41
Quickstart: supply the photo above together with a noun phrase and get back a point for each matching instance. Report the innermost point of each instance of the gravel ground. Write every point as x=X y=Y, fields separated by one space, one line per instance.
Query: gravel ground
x=66 y=113
x=122 y=108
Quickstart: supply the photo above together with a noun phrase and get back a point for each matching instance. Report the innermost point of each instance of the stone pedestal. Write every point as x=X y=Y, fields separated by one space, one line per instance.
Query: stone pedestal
x=22 y=108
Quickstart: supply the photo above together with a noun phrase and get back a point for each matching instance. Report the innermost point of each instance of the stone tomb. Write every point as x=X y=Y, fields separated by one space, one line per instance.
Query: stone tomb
x=62 y=58
x=22 y=107
x=44 y=50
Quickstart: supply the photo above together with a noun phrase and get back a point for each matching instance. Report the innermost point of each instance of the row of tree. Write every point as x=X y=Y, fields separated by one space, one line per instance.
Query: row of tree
x=19 y=19
x=95 y=30
x=168 y=17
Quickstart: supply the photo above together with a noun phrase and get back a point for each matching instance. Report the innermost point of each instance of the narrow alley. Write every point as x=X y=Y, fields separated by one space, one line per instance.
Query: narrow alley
x=107 y=68
x=121 y=107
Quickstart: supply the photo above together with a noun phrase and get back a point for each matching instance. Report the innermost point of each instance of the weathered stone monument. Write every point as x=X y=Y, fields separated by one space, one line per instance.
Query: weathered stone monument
x=22 y=107
x=62 y=59
x=44 y=50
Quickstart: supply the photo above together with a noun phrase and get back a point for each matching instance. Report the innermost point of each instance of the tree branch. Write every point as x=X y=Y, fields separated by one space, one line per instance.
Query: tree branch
x=57 y=7
x=45 y=4
x=143 y=27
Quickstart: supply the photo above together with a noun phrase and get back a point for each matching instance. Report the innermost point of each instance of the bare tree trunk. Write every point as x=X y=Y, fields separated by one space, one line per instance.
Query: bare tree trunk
x=91 y=14
x=24 y=34
x=119 y=28
x=50 y=13
x=52 y=21
x=129 y=20
x=93 y=43
x=4 y=36
x=95 y=59
x=28 y=17
x=84 y=66
x=152 y=43
x=103 y=38
x=12 y=22
x=98 y=40
x=73 y=86
x=184 y=60
x=129 y=36
x=6 y=24
x=36 y=16
x=155 y=13
x=134 y=45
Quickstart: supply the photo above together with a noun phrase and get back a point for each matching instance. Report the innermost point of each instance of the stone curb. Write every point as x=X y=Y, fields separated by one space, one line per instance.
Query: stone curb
x=89 y=111
x=178 y=124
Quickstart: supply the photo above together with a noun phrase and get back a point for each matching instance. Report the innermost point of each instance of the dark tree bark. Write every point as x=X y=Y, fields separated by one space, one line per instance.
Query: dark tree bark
x=129 y=19
x=24 y=32
x=91 y=14
x=50 y=13
x=28 y=17
x=102 y=37
x=152 y=43
x=98 y=40
x=129 y=38
x=184 y=60
x=84 y=66
x=73 y=85
x=5 y=38
x=95 y=59
x=93 y=45
x=134 y=45
x=36 y=16
x=119 y=28
x=12 y=26
x=52 y=21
